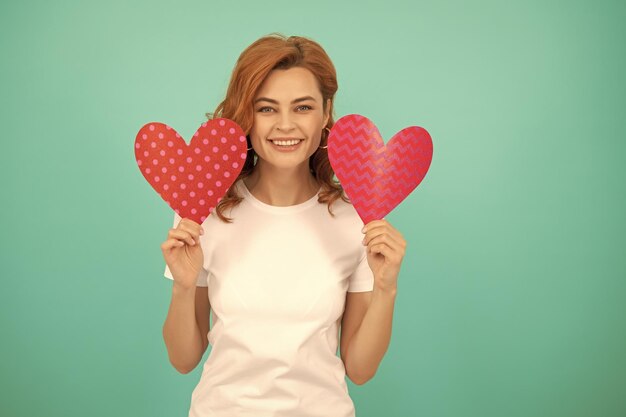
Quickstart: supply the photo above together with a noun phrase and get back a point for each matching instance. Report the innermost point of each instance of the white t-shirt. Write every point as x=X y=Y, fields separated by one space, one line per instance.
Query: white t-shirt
x=277 y=279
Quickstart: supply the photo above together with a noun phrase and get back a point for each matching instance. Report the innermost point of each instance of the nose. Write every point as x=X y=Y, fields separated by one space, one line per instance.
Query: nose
x=285 y=122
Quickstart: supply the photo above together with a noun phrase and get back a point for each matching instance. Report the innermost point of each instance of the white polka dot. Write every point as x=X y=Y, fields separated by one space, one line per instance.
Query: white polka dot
x=235 y=165
x=225 y=157
x=242 y=138
x=201 y=202
x=200 y=185
x=173 y=177
x=172 y=160
x=153 y=145
x=175 y=195
x=192 y=194
x=155 y=162
x=170 y=143
x=184 y=202
x=167 y=127
x=162 y=152
x=195 y=134
x=164 y=170
x=190 y=177
x=207 y=158
x=216 y=166
x=166 y=187
x=210 y=192
x=180 y=151
x=139 y=162
x=243 y=156
x=181 y=169
x=189 y=159
x=208 y=175
x=157 y=179
x=205 y=141
x=213 y=132
x=231 y=130
x=194 y=211
x=227 y=174
x=148 y=170
x=222 y=122
x=146 y=153
x=204 y=124
x=215 y=149
x=218 y=183
x=151 y=127
x=137 y=145
x=203 y=218
x=198 y=168
x=197 y=150
x=183 y=186
x=144 y=136
x=223 y=139
x=160 y=135
x=233 y=148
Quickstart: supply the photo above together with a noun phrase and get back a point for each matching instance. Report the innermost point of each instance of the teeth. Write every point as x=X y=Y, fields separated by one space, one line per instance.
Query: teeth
x=286 y=142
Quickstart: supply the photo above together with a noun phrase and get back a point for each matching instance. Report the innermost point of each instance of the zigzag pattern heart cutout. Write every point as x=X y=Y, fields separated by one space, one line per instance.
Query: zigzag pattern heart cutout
x=193 y=178
x=377 y=177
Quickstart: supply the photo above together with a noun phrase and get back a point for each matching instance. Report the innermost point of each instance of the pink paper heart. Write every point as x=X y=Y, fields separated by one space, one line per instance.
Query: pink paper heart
x=376 y=177
x=192 y=178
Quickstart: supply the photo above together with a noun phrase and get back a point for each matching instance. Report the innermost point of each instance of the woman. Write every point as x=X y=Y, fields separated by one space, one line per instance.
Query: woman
x=288 y=265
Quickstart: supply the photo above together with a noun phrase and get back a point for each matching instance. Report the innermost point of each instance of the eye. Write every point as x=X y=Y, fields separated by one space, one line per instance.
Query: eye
x=304 y=107
x=265 y=109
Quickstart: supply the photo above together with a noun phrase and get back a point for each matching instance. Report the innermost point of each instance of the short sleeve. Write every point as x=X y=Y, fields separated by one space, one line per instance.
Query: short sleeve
x=202 y=275
x=362 y=279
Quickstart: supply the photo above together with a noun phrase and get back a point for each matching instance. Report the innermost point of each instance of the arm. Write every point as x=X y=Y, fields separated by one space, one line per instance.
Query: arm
x=186 y=327
x=369 y=324
x=366 y=332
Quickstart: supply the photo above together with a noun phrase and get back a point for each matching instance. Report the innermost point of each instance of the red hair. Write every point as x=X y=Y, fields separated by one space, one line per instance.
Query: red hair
x=276 y=51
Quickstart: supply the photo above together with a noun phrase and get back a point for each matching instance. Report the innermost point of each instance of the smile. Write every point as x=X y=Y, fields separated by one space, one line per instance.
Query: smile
x=286 y=145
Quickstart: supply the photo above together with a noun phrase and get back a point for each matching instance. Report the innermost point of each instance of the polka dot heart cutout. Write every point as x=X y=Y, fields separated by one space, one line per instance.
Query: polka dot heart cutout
x=192 y=179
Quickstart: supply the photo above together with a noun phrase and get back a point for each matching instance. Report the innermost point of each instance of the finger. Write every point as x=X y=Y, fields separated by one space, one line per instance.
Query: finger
x=169 y=244
x=182 y=235
x=191 y=227
x=381 y=231
x=387 y=252
x=386 y=240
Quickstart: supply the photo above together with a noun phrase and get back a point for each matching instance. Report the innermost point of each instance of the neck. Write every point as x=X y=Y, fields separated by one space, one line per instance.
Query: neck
x=282 y=187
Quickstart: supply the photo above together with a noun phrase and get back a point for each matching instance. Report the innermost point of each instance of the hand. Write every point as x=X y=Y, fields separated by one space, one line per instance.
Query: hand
x=183 y=253
x=385 y=251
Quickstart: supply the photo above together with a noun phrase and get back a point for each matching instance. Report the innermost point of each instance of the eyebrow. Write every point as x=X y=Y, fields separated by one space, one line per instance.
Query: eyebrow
x=298 y=100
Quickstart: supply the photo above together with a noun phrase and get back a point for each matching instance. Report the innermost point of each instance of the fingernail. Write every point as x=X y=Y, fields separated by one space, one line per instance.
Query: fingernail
x=363 y=229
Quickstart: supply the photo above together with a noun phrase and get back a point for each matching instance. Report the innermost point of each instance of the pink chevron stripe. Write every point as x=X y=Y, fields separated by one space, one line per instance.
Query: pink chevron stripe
x=375 y=176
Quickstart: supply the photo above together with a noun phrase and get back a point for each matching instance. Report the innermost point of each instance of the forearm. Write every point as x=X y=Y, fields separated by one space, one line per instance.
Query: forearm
x=180 y=330
x=370 y=342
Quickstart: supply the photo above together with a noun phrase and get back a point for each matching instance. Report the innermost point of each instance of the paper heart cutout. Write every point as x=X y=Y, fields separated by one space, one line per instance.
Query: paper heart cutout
x=192 y=178
x=377 y=177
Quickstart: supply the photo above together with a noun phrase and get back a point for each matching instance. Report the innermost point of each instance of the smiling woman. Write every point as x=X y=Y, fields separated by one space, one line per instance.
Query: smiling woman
x=285 y=275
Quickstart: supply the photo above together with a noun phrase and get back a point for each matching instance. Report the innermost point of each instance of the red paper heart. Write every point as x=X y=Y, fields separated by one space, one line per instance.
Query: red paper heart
x=376 y=177
x=192 y=178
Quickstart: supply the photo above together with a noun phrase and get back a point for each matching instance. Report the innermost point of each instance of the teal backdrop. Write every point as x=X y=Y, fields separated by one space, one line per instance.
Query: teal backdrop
x=511 y=294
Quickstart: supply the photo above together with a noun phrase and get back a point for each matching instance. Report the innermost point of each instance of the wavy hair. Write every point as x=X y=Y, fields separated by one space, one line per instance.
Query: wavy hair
x=276 y=51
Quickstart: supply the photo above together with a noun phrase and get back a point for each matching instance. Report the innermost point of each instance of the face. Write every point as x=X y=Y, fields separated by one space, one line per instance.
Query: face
x=288 y=110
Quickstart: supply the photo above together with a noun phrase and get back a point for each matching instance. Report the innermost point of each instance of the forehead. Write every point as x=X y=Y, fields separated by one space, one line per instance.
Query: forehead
x=289 y=83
